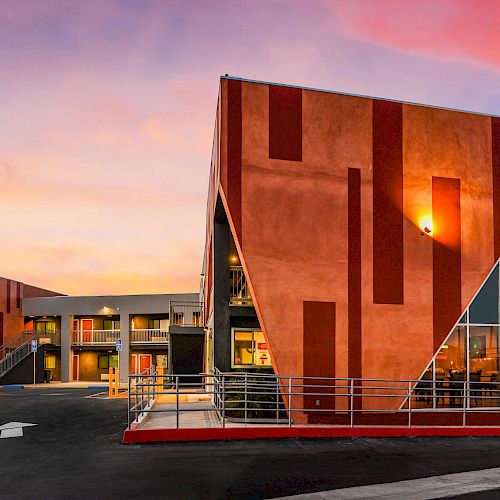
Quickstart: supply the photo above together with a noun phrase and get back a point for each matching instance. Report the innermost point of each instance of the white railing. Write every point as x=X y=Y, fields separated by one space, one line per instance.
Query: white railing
x=149 y=336
x=187 y=314
x=239 y=294
x=284 y=400
x=94 y=337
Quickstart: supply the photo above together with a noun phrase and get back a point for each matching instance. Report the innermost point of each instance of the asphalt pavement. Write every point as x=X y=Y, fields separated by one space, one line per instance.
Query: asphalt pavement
x=75 y=451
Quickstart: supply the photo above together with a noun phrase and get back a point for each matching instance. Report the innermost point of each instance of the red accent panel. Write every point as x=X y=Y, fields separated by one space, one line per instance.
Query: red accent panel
x=495 y=159
x=387 y=202
x=319 y=349
x=354 y=276
x=285 y=123
x=18 y=295
x=1 y=328
x=216 y=434
x=234 y=141
x=446 y=252
x=8 y=297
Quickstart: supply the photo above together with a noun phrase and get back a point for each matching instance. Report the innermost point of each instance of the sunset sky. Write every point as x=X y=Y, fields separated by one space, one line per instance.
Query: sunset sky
x=107 y=113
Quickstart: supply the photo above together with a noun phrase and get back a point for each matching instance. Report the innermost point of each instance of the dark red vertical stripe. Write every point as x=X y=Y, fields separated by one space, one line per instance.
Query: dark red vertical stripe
x=285 y=123
x=18 y=295
x=354 y=272
x=495 y=160
x=8 y=297
x=446 y=253
x=319 y=349
x=1 y=328
x=387 y=202
x=234 y=140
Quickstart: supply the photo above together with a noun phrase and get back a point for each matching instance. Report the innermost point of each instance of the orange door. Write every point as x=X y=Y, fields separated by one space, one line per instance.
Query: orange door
x=87 y=327
x=144 y=362
x=134 y=364
x=76 y=367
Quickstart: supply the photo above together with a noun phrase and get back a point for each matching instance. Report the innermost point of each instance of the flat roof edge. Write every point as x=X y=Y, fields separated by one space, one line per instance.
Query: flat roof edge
x=338 y=92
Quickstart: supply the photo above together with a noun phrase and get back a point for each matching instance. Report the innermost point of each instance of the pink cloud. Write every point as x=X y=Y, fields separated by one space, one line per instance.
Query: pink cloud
x=453 y=29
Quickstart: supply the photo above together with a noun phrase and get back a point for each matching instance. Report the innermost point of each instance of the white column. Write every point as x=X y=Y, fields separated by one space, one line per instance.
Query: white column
x=66 y=353
x=125 y=352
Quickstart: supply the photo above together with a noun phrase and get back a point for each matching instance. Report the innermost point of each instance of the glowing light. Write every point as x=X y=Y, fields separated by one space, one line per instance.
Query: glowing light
x=425 y=224
x=234 y=258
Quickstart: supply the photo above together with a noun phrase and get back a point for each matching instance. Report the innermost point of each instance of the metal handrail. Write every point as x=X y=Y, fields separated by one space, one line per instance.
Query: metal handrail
x=149 y=335
x=93 y=337
x=285 y=398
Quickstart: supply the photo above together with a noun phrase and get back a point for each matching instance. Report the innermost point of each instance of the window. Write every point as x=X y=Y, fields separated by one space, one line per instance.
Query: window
x=49 y=362
x=107 y=361
x=45 y=326
x=157 y=324
x=249 y=348
x=111 y=324
x=197 y=318
x=103 y=362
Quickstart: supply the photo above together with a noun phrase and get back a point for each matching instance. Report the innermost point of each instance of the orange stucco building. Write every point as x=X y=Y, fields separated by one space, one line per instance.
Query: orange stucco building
x=362 y=229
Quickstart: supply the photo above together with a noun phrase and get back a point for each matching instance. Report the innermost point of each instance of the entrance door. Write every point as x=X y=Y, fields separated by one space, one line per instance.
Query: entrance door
x=76 y=367
x=145 y=361
x=87 y=327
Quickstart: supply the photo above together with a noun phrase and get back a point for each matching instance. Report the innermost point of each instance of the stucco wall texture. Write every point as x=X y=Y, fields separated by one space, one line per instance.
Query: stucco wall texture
x=307 y=230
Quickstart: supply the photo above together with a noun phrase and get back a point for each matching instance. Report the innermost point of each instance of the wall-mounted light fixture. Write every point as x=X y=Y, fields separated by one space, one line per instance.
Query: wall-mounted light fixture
x=234 y=258
x=425 y=224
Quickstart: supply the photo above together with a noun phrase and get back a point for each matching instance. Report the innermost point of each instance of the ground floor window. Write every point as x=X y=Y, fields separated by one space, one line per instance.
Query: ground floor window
x=249 y=348
x=49 y=362
x=106 y=361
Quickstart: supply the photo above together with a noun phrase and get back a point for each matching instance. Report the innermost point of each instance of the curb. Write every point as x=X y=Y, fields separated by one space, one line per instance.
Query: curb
x=235 y=433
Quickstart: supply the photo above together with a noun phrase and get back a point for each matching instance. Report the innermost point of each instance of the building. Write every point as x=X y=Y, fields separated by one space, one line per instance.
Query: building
x=347 y=236
x=77 y=336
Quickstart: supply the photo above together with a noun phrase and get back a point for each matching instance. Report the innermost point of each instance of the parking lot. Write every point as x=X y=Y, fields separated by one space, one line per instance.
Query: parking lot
x=75 y=451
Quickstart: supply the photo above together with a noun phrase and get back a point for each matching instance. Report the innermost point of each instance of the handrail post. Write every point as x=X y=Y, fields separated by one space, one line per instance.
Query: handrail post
x=128 y=403
x=246 y=396
x=352 y=402
x=277 y=399
x=223 y=400
x=290 y=402
x=177 y=401
x=409 y=404
x=464 y=404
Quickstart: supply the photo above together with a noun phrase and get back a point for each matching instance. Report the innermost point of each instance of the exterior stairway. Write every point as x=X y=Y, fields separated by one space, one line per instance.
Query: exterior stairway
x=18 y=348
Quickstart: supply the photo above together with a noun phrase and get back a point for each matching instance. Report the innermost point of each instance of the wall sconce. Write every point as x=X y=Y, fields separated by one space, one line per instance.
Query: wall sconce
x=234 y=258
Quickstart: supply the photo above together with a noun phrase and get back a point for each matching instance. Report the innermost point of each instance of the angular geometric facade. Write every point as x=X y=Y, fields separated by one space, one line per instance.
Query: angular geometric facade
x=328 y=196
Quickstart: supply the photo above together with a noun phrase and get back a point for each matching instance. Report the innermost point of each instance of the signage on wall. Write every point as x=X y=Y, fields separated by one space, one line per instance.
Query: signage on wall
x=118 y=344
x=34 y=346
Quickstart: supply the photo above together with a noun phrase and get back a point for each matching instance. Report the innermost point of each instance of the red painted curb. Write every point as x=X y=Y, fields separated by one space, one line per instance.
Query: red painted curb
x=229 y=433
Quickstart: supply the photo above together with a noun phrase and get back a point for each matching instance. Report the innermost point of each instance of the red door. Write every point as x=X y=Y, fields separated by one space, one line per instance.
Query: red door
x=134 y=363
x=87 y=327
x=76 y=367
x=144 y=362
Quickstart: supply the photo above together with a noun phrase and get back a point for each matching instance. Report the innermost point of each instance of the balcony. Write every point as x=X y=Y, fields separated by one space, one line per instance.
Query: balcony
x=149 y=336
x=94 y=337
x=189 y=314
x=239 y=294
x=45 y=337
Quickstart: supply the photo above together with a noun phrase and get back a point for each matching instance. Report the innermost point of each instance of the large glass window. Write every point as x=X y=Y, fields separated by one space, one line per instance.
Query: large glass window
x=468 y=362
x=111 y=324
x=249 y=348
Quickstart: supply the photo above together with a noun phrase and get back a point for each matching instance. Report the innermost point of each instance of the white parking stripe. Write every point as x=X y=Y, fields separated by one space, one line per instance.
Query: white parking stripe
x=421 y=489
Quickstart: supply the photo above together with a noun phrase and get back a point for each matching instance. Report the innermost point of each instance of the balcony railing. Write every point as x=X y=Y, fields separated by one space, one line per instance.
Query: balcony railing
x=186 y=314
x=95 y=337
x=239 y=294
x=46 y=337
x=149 y=336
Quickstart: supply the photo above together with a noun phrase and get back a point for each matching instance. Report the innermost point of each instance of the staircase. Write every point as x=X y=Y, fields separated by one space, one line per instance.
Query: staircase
x=18 y=348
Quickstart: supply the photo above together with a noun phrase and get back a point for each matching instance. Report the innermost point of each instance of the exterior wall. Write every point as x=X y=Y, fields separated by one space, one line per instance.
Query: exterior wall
x=12 y=294
x=88 y=370
x=340 y=223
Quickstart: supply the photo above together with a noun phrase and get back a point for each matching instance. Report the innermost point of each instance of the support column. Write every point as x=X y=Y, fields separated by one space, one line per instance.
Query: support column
x=125 y=352
x=66 y=352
